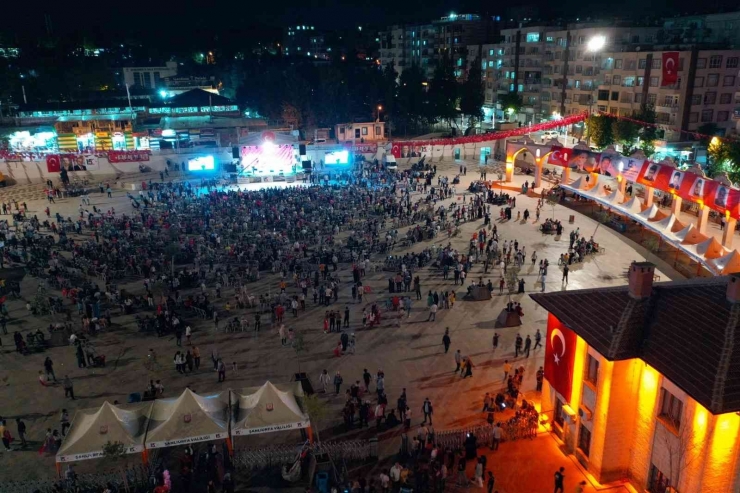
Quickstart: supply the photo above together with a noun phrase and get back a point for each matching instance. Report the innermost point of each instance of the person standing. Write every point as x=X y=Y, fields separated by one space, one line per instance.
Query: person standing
x=188 y=334
x=64 y=422
x=337 y=383
x=559 y=480
x=432 y=313
x=458 y=361
x=221 y=366
x=21 y=427
x=49 y=368
x=346 y=316
x=537 y=339
x=507 y=368
x=495 y=340
x=518 y=345
x=497 y=432
x=566 y=269
x=527 y=346
x=69 y=390
x=324 y=380
x=540 y=378
x=6 y=436
x=491 y=482
x=446 y=339
x=366 y=377
x=196 y=356
x=428 y=410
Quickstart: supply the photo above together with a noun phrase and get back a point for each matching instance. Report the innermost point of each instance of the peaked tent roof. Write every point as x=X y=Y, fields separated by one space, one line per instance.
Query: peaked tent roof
x=92 y=428
x=707 y=249
x=727 y=264
x=266 y=410
x=189 y=418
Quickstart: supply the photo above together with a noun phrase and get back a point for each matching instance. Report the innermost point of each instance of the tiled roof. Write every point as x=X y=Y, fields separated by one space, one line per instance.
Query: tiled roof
x=687 y=330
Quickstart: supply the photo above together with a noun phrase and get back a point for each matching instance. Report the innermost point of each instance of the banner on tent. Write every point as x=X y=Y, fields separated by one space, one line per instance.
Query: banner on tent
x=269 y=429
x=616 y=164
x=97 y=454
x=408 y=149
x=182 y=441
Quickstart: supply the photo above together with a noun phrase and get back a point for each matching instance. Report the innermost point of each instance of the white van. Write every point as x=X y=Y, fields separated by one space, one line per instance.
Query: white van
x=389 y=160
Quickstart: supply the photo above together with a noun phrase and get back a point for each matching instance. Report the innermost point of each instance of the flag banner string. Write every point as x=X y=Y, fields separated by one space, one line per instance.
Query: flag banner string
x=697 y=135
x=504 y=134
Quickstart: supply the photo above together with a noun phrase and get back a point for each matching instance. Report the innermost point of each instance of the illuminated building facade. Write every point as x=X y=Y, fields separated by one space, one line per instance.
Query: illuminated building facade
x=642 y=382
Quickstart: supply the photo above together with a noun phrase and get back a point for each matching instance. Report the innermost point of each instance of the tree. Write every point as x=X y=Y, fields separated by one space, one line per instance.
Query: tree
x=707 y=129
x=552 y=201
x=472 y=93
x=40 y=305
x=511 y=103
x=682 y=448
x=649 y=131
x=411 y=97
x=600 y=130
x=625 y=133
x=443 y=91
x=317 y=411
x=724 y=156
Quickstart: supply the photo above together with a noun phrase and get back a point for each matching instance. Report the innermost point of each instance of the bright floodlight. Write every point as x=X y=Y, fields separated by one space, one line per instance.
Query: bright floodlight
x=596 y=43
x=163 y=93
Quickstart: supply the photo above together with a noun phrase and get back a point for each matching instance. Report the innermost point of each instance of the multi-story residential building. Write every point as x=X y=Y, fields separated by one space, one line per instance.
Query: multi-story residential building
x=556 y=73
x=304 y=41
x=530 y=61
x=424 y=44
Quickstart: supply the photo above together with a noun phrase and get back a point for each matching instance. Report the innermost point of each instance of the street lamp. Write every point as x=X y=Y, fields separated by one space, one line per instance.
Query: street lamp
x=380 y=108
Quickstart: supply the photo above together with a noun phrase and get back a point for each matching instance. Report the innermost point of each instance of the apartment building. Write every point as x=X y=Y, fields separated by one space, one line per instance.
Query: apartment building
x=531 y=61
x=425 y=43
x=617 y=78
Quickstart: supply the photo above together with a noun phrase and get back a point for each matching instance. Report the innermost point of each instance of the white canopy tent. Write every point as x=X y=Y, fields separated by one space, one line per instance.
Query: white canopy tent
x=92 y=429
x=268 y=408
x=189 y=418
x=726 y=264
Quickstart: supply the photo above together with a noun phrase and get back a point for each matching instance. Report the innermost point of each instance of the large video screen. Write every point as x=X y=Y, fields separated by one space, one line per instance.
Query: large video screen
x=202 y=163
x=337 y=157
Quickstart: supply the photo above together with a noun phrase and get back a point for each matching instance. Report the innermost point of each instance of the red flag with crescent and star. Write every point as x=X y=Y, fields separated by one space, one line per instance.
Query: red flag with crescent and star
x=560 y=350
x=670 y=68
x=559 y=156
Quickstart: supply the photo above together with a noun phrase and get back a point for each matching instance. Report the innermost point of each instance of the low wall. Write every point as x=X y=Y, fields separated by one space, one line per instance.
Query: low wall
x=26 y=172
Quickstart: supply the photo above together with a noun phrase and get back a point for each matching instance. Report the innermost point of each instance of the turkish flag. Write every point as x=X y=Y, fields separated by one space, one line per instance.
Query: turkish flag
x=670 y=68
x=559 y=156
x=560 y=350
x=396 y=150
x=53 y=163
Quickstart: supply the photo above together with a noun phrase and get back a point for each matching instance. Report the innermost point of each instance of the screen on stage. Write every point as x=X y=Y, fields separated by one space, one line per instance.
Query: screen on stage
x=337 y=157
x=268 y=159
x=202 y=163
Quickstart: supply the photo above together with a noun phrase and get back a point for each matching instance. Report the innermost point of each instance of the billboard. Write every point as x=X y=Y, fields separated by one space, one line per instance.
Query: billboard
x=336 y=157
x=616 y=164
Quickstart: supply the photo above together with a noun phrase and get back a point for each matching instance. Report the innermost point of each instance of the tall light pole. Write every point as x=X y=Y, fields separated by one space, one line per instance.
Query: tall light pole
x=380 y=108
x=594 y=45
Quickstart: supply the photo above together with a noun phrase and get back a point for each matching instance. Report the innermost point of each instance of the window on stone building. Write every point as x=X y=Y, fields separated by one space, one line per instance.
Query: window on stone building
x=592 y=369
x=671 y=407
x=584 y=440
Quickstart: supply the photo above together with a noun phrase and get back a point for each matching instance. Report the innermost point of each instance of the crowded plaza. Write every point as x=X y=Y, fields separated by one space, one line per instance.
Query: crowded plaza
x=398 y=299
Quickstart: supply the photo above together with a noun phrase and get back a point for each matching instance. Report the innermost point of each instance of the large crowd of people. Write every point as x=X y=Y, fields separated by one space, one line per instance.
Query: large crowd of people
x=186 y=245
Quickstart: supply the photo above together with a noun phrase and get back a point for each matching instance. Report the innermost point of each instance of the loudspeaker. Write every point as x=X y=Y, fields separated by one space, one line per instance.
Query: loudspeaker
x=235 y=153
x=307 y=165
x=301 y=149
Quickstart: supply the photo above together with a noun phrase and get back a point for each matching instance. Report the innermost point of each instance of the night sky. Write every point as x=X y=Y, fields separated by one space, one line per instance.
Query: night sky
x=187 y=22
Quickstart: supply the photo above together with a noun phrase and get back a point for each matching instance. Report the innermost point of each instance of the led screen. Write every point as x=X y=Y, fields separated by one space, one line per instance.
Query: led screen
x=203 y=163
x=337 y=157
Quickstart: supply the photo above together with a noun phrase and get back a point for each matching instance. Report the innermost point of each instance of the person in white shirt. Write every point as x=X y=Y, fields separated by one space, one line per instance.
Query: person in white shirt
x=396 y=476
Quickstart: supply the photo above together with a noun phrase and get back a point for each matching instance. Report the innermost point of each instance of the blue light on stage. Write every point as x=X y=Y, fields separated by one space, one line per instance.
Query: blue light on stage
x=202 y=163
x=337 y=157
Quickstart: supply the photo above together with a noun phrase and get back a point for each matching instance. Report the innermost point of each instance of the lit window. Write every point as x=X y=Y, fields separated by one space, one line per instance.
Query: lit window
x=592 y=370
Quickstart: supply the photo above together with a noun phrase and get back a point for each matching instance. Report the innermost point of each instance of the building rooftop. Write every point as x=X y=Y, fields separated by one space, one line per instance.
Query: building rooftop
x=687 y=330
